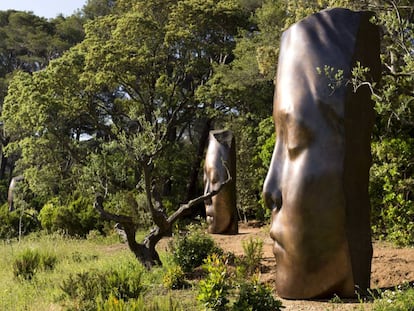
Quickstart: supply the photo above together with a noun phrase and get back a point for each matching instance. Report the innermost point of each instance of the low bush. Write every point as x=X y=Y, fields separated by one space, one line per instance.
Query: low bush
x=76 y=218
x=190 y=250
x=221 y=286
x=254 y=296
x=30 y=261
x=214 y=289
x=174 y=278
x=83 y=288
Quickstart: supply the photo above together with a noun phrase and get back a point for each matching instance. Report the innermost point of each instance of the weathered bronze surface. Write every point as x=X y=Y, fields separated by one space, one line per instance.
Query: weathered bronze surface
x=317 y=183
x=221 y=210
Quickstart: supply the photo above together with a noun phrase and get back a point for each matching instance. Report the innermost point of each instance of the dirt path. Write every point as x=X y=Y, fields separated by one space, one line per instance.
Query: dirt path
x=390 y=267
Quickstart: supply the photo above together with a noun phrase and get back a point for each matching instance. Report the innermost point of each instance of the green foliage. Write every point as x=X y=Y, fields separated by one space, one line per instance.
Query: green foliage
x=395 y=101
x=399 y=299
x=254 y=296
x=174 y=278
x=190 y=250
x=220 y=287
x=140 y=304
x=391 y=190
x=11 y=221
x=132 y=203
x=214 y=289
x=30 y=261
x=123 y=283
x=253 y=253
x=26 y=264
x=76 y=219
x=255 y=144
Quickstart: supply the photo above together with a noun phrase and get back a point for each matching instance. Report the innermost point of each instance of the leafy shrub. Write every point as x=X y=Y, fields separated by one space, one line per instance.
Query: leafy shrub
x=214 y=289
x=83 y=288
x=26 y=264
x=391 y=190
x=190 y=251
x=48 y=261
x=254 y=296
x=174 y=278
x=11 y=221
x=76 y=218
x=30 y=261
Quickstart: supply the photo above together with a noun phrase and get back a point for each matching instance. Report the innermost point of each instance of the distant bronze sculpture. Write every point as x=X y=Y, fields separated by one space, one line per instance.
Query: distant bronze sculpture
x=12 y=186
x=221 y=210
x=317 y=183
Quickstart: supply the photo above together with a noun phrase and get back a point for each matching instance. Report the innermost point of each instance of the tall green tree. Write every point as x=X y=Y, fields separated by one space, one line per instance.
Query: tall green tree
x=128 y=89
x=28 y=44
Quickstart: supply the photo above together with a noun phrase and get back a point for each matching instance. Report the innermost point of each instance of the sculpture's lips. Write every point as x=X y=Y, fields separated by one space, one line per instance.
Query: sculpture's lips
x=209 y=219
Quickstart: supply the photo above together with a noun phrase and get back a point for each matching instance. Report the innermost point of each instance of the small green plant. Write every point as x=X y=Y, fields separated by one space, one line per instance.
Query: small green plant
x=334 y=76
x=174 y=278
x=112 y=303
x=214 y=289
x=30 y=261
x=336 y=299
x=254 y=296
x=400 y=299
x=253 y=253
x=190 y=251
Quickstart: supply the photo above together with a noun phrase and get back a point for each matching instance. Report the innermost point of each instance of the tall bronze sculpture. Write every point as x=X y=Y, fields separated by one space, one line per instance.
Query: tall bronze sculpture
x=317 y=183
x=221 y=210
x=12 y=188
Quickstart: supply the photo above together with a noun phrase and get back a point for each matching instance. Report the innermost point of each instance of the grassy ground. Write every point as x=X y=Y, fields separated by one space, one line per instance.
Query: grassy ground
x=76 y=256
x=43 y=292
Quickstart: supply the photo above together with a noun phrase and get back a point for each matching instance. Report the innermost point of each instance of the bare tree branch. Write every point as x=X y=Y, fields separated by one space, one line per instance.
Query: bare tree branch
x=98 y=205
x=145 y=252
x=200 y=199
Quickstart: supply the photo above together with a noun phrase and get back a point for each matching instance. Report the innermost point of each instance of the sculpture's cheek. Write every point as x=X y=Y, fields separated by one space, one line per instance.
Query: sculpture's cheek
x=219 y=213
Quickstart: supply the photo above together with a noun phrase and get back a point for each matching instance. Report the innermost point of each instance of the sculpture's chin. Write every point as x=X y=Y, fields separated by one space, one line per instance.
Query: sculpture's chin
x=210 y=220
x=278 y=250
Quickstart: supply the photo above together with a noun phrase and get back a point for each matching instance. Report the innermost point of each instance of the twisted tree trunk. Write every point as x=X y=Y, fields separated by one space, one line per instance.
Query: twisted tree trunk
x=145 y=252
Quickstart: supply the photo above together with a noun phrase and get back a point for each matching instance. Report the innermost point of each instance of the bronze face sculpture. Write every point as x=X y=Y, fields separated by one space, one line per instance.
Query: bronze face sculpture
x=317 y=183
x=10 y=195
x=221 y=210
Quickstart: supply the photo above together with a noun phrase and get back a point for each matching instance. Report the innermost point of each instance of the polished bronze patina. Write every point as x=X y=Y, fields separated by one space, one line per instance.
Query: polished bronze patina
x=220 y=161
x=317 y=183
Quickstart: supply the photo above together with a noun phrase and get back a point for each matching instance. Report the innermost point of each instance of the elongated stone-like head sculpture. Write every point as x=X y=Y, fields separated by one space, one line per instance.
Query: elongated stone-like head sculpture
x=10 y=195
x=317 y=183
x=221 y=210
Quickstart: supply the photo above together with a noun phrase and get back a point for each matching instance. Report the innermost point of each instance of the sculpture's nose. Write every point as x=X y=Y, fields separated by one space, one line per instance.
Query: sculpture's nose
x=272 y=194
x=208 y=201
x=272 y=197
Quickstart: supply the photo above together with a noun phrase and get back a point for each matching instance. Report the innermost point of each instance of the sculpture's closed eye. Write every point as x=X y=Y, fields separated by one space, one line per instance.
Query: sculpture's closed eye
x=298 y=138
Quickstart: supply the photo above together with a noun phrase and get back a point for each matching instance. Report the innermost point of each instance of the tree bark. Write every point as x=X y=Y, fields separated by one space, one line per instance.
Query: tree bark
x=145 y=252
x=192 y=186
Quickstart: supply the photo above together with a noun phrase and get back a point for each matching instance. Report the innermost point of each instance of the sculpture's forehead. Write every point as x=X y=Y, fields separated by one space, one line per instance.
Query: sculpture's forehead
x=214 y=156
